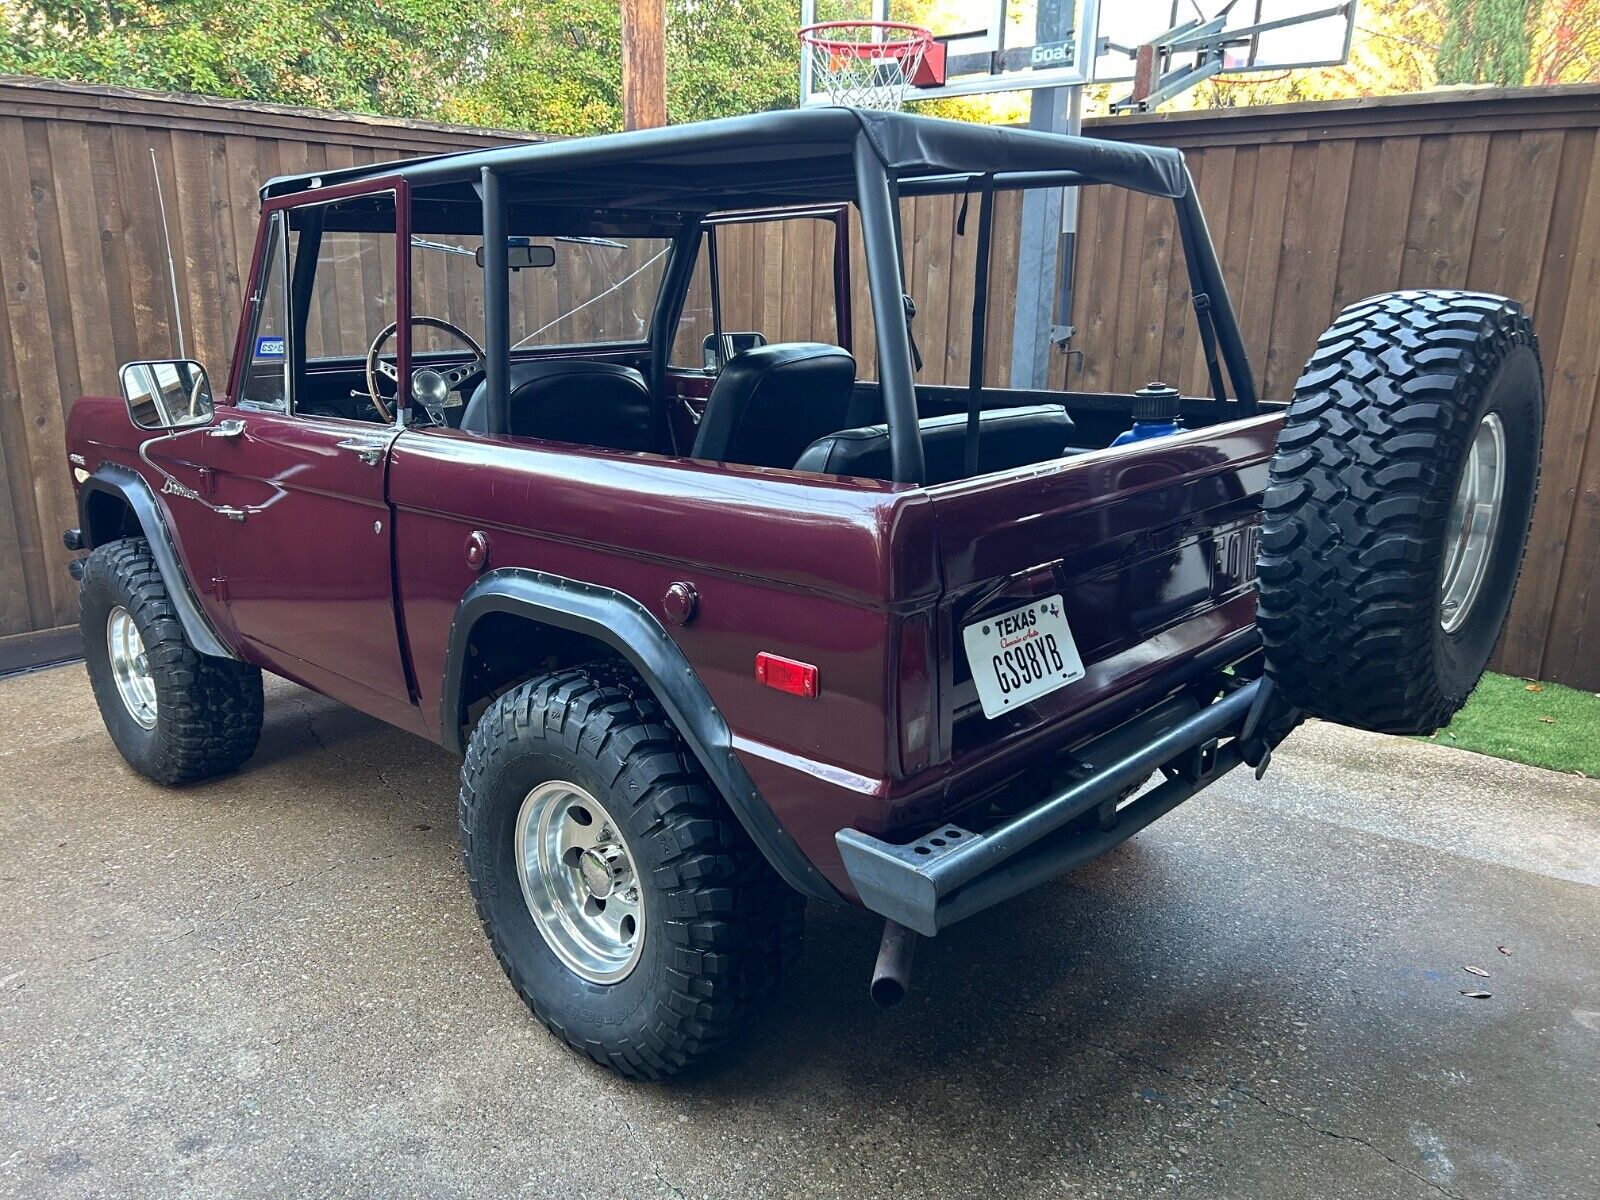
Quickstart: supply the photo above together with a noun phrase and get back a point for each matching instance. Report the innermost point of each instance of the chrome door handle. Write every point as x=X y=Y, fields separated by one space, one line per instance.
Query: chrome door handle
x=231 y=428
x=366 y=451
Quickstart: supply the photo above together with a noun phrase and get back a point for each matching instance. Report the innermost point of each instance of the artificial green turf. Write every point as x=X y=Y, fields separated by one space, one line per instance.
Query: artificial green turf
x=1543 y=724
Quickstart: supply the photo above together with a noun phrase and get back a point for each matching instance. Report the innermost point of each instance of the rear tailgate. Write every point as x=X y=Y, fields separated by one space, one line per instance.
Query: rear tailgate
x=1151 y=548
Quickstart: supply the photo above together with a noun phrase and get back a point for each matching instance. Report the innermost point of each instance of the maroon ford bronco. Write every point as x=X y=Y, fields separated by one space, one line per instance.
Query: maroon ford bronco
x=724 y=616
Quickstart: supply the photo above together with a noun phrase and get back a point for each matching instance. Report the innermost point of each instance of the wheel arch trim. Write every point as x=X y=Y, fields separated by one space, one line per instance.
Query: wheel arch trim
x=129 y=487
x=621 y=623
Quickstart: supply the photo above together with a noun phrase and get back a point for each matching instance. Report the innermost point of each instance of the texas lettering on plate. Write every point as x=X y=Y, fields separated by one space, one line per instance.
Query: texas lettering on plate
x=1020 y=655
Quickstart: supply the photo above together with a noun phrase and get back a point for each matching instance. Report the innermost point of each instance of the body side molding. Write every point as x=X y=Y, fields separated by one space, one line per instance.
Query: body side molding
x=128 y=486
x=627 y=627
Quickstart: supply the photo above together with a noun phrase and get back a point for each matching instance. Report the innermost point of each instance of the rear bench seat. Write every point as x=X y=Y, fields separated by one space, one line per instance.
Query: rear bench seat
x=1008 y=437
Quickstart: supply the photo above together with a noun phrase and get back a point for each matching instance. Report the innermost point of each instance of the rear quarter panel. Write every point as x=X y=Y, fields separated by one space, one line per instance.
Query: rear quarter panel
x=797 y=567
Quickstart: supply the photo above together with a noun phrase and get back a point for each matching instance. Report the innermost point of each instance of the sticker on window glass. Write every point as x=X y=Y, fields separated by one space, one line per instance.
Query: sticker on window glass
x=268 y=346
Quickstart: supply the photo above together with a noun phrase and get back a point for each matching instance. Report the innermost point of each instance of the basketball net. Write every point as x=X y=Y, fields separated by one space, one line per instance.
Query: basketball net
x=865 y=64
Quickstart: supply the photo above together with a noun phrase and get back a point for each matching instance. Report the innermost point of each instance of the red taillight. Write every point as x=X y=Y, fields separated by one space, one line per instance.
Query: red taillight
x=786 y=674
x=915 y=699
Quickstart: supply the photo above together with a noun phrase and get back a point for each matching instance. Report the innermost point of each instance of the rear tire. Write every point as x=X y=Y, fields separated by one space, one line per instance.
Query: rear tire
x=711 y=926
x=1379 y=603
x=175 y=714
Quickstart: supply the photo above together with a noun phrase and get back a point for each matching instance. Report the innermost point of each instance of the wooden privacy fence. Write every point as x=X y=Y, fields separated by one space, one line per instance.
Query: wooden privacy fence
x=1311 y=206
x=83 y=265
x=1315 y=206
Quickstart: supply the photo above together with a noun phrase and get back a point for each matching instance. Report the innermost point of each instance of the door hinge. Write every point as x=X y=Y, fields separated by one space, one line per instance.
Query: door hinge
x=219 y=587
x=208 y=481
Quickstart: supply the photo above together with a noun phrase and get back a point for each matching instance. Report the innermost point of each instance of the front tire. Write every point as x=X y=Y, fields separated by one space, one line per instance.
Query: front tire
x=175 y=714
x=627 y=906
x=1398 y=507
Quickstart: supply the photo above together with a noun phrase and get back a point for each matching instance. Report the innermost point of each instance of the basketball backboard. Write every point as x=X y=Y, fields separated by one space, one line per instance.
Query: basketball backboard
x=1315 y=33
x=1017 y=45
x=990 y=45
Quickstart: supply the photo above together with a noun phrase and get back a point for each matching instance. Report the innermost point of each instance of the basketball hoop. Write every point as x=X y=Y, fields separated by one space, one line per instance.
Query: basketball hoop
x=866 y=64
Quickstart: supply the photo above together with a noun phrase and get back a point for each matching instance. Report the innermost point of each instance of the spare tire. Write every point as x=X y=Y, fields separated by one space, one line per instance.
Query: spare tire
x=1398 y=505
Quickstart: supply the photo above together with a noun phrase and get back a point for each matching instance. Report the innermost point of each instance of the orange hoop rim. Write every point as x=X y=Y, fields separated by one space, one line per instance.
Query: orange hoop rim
x=914 y=39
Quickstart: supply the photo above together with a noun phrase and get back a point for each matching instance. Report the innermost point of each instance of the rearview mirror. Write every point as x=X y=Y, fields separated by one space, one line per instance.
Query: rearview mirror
x=169 y=393
x=732 y=344
x=520 y=254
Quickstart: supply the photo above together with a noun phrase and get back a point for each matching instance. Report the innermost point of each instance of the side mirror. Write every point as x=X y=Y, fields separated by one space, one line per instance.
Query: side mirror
x=732 y=344
x=171 y=393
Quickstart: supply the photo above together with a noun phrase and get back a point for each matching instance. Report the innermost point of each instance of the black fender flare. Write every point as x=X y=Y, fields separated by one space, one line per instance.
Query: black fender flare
x=620 y=622
x=128 y=486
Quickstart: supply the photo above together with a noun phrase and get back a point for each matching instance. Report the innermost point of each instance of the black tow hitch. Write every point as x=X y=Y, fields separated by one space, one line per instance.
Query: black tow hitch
x=1196 y=765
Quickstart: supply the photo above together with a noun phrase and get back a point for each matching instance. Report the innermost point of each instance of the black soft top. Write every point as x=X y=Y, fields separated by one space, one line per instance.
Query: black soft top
x=772 y=159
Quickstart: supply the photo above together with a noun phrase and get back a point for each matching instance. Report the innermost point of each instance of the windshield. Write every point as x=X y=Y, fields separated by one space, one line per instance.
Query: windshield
x=584 y=291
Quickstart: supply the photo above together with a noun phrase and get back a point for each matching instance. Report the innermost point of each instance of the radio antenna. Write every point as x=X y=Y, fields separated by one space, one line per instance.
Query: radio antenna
x=172 y=270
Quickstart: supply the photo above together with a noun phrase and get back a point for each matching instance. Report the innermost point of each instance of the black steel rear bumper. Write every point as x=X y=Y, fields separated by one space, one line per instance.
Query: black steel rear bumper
x=952 y=872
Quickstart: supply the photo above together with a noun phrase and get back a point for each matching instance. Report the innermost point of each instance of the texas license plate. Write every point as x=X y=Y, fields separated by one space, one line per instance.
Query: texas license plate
x=1020 y=655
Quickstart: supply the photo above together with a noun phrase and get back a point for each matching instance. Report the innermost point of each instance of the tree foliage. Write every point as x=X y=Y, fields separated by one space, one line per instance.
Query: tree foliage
x=367 y=57
x=1565 y=42
x=547 y=65
x=1486 y=41
x=555 y=65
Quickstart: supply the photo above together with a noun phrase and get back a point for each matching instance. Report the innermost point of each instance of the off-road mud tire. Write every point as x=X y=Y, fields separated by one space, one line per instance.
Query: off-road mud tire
x=208 y=710
x=720 y=925
x=1358 y=506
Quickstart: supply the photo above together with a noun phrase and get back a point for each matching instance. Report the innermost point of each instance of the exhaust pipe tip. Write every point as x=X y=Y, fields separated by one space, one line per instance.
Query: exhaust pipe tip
x=891 y=976
x=887 y=993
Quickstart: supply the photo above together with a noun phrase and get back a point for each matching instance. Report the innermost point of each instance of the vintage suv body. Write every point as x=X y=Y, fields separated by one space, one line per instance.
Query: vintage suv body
x=720 y=622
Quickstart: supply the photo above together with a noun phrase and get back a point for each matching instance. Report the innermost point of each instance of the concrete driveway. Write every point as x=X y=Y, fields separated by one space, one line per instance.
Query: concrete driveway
x=274 y=985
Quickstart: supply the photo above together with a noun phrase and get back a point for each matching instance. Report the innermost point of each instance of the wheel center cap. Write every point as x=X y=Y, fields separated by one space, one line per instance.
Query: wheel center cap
x=601 y=870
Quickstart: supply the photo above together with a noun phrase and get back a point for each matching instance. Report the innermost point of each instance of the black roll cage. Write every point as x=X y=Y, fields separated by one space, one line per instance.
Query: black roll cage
x=681 y=176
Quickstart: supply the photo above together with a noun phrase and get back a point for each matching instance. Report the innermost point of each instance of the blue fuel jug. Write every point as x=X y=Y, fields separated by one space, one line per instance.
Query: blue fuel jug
x=1155 y=414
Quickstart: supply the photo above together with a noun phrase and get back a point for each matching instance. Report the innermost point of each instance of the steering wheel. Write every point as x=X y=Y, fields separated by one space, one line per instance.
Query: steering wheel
x=448 y=378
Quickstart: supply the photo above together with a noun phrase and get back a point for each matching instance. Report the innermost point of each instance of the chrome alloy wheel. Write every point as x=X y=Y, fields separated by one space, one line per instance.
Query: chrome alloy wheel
x=130 y=667
x=1474 y=521
x=579 y=882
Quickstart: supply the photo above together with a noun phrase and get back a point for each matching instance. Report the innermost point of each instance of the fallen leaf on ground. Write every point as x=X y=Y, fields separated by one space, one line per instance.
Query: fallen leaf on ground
x=1536 y=687
x=1476 y=995
x=1479 y=971
x=1548 y=720
x=1505 y=950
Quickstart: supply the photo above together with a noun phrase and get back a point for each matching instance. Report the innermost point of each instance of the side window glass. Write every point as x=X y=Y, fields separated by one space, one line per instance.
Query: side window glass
x=775 y=283
x=776 y=279
x=353 y=288
x=266 y=380
x=696 y=323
